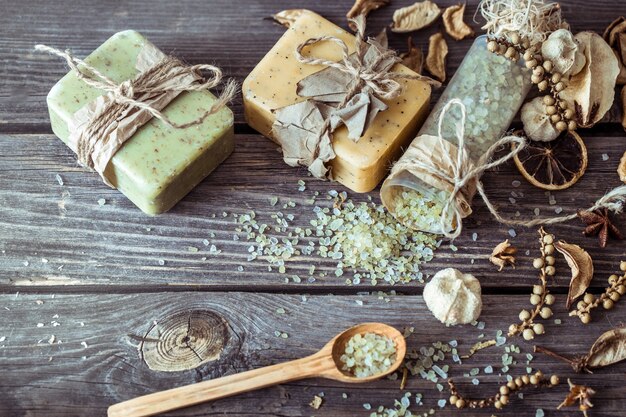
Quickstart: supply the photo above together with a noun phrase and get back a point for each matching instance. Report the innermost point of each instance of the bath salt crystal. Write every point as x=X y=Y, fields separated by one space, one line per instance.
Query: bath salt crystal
x=537 y=211
x=516 y=183
x=512 y=200
x=605 y=157
x=512 y=232
x=558 y=210
x=540 y=413
x=441 y=403
x=101 y=202
x=474 y=236
x=59 y=179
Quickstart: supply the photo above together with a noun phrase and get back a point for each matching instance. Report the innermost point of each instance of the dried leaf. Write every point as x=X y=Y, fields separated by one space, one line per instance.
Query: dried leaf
x=413 y=58
x=364 y=7
x=436 y=58
x=479 y=346
x=453 y=21
x=615 y=36
x=591 y=91
x=288 y=17
x=415 y=17
x=503 y=254
x=621 y=169
x=608 y=349
x=580 y=394
x=582 y=269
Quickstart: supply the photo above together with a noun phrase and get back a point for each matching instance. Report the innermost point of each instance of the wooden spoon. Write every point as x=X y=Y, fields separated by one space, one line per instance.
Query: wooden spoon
x=325 y=363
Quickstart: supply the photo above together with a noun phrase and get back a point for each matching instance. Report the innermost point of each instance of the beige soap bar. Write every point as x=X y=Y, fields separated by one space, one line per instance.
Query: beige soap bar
x=272 y=84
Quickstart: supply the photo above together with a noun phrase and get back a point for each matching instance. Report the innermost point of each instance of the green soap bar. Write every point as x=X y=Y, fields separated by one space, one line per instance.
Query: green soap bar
x=158 y=165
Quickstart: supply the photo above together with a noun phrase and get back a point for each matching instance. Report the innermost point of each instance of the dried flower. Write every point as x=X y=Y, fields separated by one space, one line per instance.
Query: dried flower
x=415 y=17
x=364 y=7
x=611 y=295
x=580 y=394
x=536 y=121
x=599 y=223
x=454 y=24
x=540 y=297
x=503 y=254
x=562 y=50
x=608 y=349
x=436 y=58
x=582 y=269
x=414 y=57
x=615 y=36
x=501 y=399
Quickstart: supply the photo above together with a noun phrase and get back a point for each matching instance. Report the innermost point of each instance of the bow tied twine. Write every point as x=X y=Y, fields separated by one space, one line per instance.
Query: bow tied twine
x=102 y=127
x=347 y=92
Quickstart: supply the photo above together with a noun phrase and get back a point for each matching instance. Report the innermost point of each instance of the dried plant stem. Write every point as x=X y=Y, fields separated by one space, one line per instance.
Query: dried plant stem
x=577 y=364
x=501 y=398
x=546 y=241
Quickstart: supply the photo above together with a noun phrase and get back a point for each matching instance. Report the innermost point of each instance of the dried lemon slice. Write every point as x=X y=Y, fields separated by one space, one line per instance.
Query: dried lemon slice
x=554 y=165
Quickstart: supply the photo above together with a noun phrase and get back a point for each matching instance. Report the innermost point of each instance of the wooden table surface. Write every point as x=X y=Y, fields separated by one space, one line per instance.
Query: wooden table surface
x=95 y=299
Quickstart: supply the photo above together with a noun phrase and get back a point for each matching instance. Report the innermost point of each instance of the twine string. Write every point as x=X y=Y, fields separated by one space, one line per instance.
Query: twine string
x=463 y=172
x=168 y=75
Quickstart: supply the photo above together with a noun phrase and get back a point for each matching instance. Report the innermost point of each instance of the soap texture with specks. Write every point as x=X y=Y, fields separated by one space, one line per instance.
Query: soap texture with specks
x=158 y=165
x=360 y=165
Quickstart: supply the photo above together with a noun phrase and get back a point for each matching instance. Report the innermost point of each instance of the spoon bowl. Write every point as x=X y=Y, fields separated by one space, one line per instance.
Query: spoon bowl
x=325 y=363
x=337 y=347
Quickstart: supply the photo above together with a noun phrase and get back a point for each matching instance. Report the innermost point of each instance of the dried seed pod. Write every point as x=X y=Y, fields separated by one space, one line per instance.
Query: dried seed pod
x=615 y=36
x=415 y=17
x=582 y=269
x=591 y=91
x=503 y=254
x=454 y=24
x=612 y=294
x=287 y=17
x=364 y=7
x=413 y=58
x=436 y=58
x=561 y=49
x=608 y=349
x=536 y=120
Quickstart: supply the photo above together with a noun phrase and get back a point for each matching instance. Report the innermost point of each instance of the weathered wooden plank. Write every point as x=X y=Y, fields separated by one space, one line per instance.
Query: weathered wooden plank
x=86 y=244
x=93 y=359
x=234 y=38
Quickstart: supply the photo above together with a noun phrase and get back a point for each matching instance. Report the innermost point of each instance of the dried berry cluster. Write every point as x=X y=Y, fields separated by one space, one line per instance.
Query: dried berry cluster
x=543 y=76
x=612 y=294
x=501 y=399
x=540 y=297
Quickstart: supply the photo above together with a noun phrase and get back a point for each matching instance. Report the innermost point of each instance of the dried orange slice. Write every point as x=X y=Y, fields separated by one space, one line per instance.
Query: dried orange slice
x=554 y=165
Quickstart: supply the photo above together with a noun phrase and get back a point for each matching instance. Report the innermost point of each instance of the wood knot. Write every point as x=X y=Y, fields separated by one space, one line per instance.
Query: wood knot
x=185 y=341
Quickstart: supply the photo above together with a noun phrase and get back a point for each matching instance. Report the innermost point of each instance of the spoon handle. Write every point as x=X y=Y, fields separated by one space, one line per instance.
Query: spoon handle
x=172 y=399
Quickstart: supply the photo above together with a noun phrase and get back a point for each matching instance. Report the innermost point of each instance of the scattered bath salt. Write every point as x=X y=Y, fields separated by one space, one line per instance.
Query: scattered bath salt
x=557 y=321
x=475 y=381
x=488 y=369
x=316 y=403
x=84 y=344
x=527 y=252
x=539 y=413
x=301 y=185
x=367 y=406
x=192 y=249
x=537 y=211
x=25 y=263
x=512 y=232
x=359 y=302
x=480 y=325
x=344 y=395
x=605 y=157
x=558 y=210
x=38 y=302
x=206 y=242
x=59 y=179
x=101 y=202
x=161 y=262
x=52 y=339
x=273 y=201
x=441 y=403
x=2 y=338
x=240 y=268
x=516 y=183
x=474 y=236
x=512 y=200
x=280 y=310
